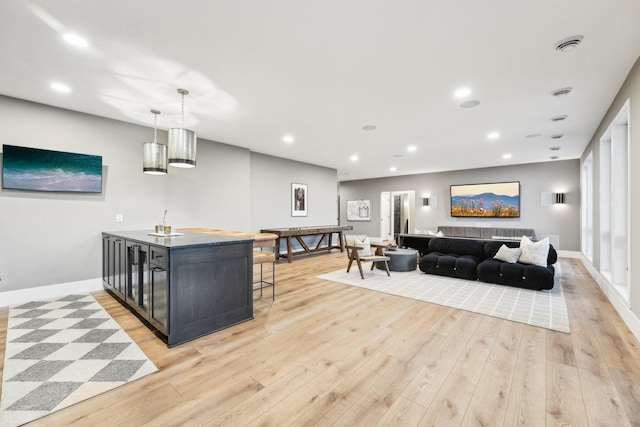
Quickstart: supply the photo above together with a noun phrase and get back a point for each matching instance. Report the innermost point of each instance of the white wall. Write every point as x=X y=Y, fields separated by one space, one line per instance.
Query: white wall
x=535 y=178
x=629 y=90
x=271 y=179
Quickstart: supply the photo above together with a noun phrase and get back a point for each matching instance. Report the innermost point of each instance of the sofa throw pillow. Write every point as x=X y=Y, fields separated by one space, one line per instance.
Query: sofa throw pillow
x=507 y=254
x=365 y=244
x=535 y=253
x=440 y=234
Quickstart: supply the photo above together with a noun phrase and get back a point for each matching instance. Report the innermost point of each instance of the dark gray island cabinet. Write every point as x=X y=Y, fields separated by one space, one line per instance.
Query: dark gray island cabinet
x=184 y=287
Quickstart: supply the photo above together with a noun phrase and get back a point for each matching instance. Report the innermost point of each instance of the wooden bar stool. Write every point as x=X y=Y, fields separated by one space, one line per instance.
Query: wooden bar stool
x=262 y=241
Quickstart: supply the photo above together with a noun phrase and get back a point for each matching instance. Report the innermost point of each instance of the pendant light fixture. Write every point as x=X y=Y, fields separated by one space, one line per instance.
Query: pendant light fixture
x=182 y=143
x=154 y=154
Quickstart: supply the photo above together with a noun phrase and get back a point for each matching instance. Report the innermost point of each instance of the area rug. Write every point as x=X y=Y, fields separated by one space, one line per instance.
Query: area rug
x=546 y=309
x=60 y=352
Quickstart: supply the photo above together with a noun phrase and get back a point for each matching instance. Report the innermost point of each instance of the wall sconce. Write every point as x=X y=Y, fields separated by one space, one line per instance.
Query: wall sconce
x=549 y=198
x=431 y=201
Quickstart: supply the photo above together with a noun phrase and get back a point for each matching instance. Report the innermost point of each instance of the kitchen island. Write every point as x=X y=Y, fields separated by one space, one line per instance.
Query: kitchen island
x=184 y=286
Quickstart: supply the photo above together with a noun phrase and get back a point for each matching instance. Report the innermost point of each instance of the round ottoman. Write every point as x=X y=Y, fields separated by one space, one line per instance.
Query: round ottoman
x=400 y=259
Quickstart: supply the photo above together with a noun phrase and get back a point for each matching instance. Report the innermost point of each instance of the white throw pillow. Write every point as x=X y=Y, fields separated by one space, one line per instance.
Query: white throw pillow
x=430 y=233
x=507 y=254
x=440 y=234
x=365 y=245
x=417 y=231
x=351 y=238
x=535 y=253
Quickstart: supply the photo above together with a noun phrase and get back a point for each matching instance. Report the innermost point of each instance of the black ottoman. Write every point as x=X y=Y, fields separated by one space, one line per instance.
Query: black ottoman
x=400 y=260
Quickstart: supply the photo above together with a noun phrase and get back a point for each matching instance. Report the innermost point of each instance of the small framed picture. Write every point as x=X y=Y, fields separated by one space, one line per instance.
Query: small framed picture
x=299 y=199
x=358 y=210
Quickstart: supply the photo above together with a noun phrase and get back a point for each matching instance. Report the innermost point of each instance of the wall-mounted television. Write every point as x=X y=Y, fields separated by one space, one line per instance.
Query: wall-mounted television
x=34 y=169
x=491 y=200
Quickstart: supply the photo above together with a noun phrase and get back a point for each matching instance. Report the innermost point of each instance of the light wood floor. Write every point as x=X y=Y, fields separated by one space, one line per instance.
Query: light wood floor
x=331 y=354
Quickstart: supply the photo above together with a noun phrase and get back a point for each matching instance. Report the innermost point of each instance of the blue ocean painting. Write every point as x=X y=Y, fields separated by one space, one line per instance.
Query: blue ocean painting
x=26 y=168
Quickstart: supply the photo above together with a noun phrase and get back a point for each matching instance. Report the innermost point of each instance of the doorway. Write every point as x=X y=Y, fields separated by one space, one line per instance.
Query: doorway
x=396 y=212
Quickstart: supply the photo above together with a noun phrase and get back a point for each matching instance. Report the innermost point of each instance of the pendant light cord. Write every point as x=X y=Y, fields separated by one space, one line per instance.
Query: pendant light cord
x=155 y=128
x=183 y=110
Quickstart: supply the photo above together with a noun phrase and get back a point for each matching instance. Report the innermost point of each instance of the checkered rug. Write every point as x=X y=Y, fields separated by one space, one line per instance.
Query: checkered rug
x=546 y=309
x=61 y=352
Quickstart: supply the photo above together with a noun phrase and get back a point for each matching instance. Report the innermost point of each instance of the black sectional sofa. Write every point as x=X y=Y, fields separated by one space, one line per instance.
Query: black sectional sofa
x=472 y=259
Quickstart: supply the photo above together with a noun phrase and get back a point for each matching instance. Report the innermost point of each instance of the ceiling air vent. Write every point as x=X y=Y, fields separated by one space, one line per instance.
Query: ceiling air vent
x=556 y=136
x=559 y=118
x=565 y=45
x=553 y=157
x=562 y=92
x=554 y=148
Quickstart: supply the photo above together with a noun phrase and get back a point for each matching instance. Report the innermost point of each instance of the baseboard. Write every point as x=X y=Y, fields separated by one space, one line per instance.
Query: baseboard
x=629 y=318
x=21 y=296
x=569 y=254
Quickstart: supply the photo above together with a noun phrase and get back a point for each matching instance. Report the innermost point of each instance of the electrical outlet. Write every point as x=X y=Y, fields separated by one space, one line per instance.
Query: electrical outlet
x=119 y=218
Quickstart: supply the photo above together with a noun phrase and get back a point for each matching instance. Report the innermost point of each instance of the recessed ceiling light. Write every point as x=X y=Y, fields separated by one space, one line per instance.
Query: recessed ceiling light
x=393 y=168
x=554 y=148
x=470 y=104
x=556 y=136
x=559 y=118
x=534 y=135
x=462 y=92
x=288 y=139
x=354 y=157
x=493 y=135
x=60 y=87
x=568 y=44
x=75 y=40
x=368 y=127
x=562 y=91
x=412 y=148
x=506 y=156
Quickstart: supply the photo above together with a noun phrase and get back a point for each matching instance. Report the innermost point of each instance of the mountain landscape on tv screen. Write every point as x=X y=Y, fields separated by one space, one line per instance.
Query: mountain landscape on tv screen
x=485 y=204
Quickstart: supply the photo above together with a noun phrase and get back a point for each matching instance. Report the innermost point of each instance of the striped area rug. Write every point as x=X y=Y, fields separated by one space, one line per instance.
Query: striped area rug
x=546 y=309
x=60 y=352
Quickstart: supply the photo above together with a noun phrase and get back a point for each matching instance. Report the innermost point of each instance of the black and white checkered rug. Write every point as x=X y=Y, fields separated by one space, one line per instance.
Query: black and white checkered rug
x=61 y=352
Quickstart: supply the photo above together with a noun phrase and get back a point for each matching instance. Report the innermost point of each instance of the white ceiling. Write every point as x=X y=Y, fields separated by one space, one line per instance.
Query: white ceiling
x=321 y=70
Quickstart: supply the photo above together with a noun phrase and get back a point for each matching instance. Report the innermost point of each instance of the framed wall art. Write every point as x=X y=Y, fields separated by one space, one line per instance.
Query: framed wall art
x=299 y=199
x=25 y=168
x=358 y=210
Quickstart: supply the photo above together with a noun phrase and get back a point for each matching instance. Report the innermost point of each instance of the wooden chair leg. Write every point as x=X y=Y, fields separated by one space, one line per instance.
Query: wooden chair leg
x=360 y=268
x=350 y=262
x=386 y=267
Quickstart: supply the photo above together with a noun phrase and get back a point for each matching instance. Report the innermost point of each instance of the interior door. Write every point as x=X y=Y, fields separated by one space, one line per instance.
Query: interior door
x=385 y=214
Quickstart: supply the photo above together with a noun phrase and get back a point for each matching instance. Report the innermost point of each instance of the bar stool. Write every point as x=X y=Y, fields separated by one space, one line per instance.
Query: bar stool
x=261 y=242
